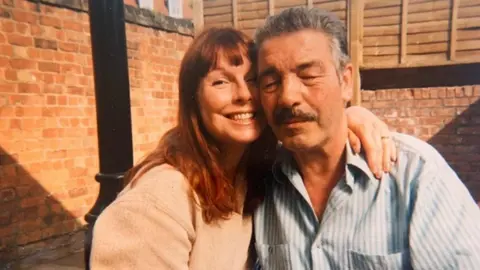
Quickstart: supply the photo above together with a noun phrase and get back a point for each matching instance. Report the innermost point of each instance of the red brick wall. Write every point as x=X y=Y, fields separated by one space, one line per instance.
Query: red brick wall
x=48 y=145
x=448 y=118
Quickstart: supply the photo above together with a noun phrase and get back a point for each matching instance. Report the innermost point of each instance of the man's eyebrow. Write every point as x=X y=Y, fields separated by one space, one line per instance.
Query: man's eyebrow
x=310 y=64
x=266 y=72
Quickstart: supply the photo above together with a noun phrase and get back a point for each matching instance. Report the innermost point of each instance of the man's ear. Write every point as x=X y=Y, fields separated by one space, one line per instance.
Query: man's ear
x=346 y=79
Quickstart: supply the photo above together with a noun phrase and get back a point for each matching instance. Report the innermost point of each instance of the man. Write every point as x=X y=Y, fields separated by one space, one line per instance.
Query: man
x=324 y=209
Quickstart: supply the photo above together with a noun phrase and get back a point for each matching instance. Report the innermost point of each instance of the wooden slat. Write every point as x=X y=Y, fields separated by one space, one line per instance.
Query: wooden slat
x=468 y=34
x=249 y=1
x=430 y=6
x=252 y=6
x=453 y=30
x=214 y=10
x=332 y=5
x=468 y=45
x=412 y=49
x=198 y=23
x=403 y=32
x=309 y=3
x=439 y=59
x=468 y=56
x=216 y=3
x=424 y=27
x=469 y=12
x=427 y=48
x=420 y=38
x=235 y=13
x=383 y=50
x=381 y=4
x=271 y=7
x=432 y=37
x=356 y=36
x=374 y=62
x=381 y=41
x=382 y=12
x=436 y=15
x=383 y=21
x=250 y=24
x=289 y=3
x=218 y=18
x=215 y=24
x=468 y=3
x=252 y=15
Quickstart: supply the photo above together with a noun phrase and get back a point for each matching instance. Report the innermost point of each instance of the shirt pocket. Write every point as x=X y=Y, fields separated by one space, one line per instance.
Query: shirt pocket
x=274 y=257
x=394 y=261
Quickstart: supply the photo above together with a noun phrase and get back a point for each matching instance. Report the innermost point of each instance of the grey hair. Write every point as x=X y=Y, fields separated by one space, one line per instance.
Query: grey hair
x=301 y=18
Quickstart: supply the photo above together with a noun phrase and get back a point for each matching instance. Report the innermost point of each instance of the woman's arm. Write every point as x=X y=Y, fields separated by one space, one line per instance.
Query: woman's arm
x=144 y=231
x=367 y=131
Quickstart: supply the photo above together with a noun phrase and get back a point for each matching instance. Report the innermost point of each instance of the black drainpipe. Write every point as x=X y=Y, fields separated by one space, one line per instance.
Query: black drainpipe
x=112 y=96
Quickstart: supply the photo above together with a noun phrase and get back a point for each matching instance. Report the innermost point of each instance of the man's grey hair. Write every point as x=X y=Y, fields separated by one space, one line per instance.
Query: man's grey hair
x=301 y=18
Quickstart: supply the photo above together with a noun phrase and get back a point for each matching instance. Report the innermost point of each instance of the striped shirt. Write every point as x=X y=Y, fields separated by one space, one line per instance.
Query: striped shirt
x=418 y=216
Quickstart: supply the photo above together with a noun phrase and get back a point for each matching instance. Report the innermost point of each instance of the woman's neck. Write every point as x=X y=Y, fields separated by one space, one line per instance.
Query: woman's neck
x=230 y=157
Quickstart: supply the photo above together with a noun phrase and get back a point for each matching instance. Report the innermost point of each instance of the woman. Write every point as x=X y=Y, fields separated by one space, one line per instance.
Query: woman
x=188 y=204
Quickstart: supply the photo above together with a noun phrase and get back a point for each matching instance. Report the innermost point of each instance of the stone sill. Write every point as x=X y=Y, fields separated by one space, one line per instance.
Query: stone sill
x=133 y=15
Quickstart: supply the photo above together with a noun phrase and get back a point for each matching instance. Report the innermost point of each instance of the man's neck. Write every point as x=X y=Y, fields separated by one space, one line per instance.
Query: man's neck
x=323 y=165
x=321 y=169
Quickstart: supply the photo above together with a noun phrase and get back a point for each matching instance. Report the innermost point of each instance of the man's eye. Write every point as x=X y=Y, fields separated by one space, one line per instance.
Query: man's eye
x=268 y=86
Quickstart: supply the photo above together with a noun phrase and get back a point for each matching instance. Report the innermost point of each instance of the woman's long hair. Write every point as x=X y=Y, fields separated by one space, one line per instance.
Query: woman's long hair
x=188 y=146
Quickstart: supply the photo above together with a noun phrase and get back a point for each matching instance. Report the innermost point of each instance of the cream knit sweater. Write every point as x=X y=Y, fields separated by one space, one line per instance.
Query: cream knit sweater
x=156 y=225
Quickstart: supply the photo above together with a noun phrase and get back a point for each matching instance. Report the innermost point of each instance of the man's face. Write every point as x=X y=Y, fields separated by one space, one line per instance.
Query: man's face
x=301 y=93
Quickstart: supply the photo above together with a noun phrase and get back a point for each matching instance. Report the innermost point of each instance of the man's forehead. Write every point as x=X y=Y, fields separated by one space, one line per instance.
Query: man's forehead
x=294 y=48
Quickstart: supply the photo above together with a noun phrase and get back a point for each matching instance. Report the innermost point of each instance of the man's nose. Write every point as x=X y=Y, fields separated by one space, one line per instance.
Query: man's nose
x=290 y=92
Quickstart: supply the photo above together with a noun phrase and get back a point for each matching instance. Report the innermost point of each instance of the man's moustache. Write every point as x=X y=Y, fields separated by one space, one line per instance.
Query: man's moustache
x=288 y=115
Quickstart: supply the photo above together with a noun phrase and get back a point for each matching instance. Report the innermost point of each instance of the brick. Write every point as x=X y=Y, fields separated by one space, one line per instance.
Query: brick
x=22 y=64
x=22 y=28
x=5 y=13
x=428 y=103
x=8 y=88
x=51 y=21
x=10 y=75
x=450 y=92
x=22 y=16
x=46 y=44
x=6 y=50
x=68 y=47
x=468 y=90
x=8 y=26
x=476 y=91
x=28 y=88
x=20 y=40
x=449 y=102
x=459 y=92
x=49 y=67
x=72 y=25
x=25 y=76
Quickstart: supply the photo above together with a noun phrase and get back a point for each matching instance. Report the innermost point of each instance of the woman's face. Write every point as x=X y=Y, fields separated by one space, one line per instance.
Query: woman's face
x=228 y=103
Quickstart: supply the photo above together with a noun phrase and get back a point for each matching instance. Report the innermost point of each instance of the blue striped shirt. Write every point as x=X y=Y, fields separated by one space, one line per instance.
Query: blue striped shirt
x=418 y=216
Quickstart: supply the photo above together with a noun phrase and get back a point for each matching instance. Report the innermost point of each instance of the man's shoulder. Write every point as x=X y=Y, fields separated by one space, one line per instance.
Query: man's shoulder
x=411 y=149
x=417 y=160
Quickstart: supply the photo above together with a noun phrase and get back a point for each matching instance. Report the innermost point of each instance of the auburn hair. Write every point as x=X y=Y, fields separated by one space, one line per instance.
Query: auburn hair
x=191 y=149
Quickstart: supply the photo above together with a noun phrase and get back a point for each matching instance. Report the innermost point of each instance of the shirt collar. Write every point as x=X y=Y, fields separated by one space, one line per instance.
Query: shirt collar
x=286 y=164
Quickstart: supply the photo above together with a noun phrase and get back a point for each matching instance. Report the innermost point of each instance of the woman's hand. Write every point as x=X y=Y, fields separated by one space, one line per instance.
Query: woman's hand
x=367 y=130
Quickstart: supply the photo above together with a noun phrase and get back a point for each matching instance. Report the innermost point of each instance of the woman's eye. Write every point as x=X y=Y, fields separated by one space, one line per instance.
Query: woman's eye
x=219 y=82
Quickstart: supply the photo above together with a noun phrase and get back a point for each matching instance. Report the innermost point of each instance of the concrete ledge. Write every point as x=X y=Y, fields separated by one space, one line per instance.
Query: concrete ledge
x=134 y=15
